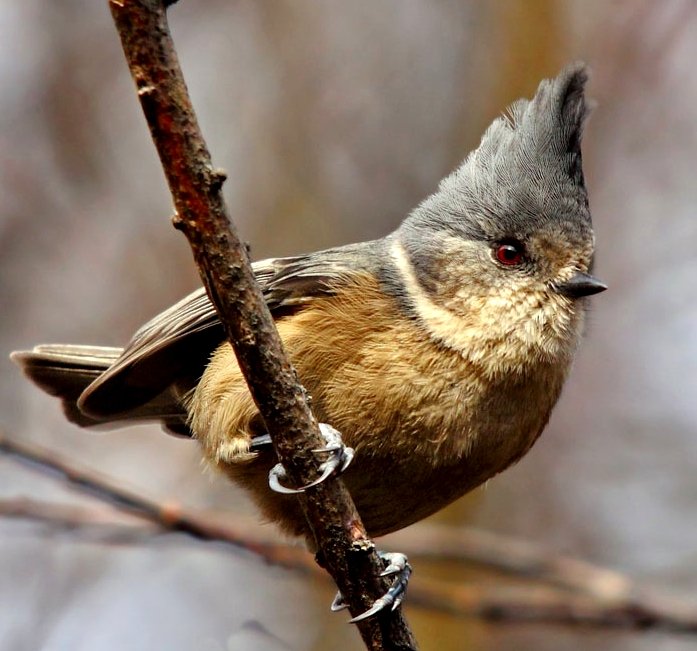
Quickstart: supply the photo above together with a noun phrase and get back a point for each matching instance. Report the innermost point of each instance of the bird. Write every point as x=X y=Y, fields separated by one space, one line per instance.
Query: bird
x=436 y=352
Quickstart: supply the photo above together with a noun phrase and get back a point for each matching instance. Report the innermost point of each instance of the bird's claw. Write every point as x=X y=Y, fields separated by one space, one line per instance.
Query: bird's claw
x=338 y=603
x=396 y=564
x=277 y=473
x=338 y=459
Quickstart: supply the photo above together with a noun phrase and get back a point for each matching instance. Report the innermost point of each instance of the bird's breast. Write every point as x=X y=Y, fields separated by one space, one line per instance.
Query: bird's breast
x=428 y=425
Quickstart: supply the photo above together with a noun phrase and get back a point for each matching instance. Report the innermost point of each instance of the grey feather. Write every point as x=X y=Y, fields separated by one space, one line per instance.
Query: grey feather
x=524 y=178
x=525 y=173
x=166 y=357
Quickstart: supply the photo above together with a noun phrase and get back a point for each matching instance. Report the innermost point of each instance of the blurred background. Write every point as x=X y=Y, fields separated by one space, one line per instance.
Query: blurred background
x=333 y=120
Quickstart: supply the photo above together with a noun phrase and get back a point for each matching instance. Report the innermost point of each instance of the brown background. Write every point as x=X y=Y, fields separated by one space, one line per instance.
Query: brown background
x=333 y=119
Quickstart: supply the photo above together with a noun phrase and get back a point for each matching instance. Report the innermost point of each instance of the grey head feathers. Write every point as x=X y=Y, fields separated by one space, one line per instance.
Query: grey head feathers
x=526 y=173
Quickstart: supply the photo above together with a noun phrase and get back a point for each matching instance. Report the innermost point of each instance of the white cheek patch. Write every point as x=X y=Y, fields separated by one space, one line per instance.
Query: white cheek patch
x=497 y=331
x=441 y=323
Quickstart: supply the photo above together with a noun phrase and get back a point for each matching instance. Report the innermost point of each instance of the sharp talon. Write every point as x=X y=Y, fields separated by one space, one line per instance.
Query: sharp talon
x=277 y=473
x=376 y=608
x=349 y=453
x=330 y=448
x=328 y=467
x=260 y=443
x=396 y=562
x=339 y=455
x=399 y=565
x=338 y=603
x=339 y=458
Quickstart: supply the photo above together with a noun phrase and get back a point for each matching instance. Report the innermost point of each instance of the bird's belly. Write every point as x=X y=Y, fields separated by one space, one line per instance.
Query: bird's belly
x=391 y=496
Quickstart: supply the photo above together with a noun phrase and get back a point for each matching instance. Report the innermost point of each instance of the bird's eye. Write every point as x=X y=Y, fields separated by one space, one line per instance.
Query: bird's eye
x=511 y=252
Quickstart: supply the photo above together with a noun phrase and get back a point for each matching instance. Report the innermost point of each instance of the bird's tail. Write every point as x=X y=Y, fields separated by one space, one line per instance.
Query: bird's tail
x=66 y=371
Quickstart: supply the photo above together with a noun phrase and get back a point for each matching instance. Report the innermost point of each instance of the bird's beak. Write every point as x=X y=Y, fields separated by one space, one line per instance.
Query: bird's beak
x=580 y=284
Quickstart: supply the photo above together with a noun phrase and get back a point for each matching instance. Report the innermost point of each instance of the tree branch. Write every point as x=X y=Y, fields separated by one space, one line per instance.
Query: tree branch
x=226 y=272
x=540 y=604
x=600 y=597
x=514 y=557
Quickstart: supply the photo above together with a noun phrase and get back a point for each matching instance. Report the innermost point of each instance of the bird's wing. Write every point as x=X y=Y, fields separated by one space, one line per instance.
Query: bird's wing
x=171 y=350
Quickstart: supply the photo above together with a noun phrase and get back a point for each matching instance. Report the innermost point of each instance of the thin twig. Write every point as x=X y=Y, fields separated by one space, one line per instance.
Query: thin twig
x=168 y=515
x=497 y=552
x=225 y=269
x=512 y=556
x=600 y=598
x=538 y=604
x=71 y=516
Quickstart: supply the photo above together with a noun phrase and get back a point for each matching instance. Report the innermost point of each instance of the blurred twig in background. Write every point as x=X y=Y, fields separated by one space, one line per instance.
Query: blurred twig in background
x=557 y=589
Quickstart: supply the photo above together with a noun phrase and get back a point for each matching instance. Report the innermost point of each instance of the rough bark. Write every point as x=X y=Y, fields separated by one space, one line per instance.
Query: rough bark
x=223 y=263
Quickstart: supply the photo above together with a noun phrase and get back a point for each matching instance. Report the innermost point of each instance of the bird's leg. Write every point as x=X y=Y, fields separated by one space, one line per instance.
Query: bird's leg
x=337 y=459
x=398 y=565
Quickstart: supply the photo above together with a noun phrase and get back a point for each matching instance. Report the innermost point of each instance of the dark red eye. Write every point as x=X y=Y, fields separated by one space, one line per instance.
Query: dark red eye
x=509 y=253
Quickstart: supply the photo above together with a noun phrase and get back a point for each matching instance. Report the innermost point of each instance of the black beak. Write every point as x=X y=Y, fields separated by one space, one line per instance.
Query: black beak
x=579 y=285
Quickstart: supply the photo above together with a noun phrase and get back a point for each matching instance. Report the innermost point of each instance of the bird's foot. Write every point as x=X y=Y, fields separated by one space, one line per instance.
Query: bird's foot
x=398 y=565
x=338 y=458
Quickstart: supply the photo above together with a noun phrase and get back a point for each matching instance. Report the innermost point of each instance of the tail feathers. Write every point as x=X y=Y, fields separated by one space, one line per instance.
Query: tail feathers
x=65 y=371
